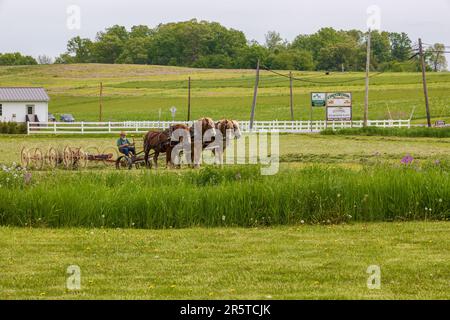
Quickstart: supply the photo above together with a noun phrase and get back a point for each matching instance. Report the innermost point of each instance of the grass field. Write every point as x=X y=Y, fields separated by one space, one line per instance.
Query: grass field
x=237 y=196
x=139 y=92
x=321 y=178
x=310 y=231
x=305 y=262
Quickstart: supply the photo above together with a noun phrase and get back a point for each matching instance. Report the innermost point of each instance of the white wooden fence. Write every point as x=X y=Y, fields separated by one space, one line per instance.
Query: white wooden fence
x=140 y=127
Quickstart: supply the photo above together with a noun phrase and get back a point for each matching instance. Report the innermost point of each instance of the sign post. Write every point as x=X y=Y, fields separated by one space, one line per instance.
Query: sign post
x=173 y=110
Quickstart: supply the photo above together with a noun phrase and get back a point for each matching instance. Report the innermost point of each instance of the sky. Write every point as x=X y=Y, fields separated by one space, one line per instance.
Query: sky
x=37 y=27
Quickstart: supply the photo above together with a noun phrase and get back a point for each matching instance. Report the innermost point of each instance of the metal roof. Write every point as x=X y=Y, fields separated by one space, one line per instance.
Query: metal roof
x=23 y=95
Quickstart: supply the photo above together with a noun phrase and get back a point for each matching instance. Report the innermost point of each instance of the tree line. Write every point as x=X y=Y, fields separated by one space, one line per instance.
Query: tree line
x=203 y=44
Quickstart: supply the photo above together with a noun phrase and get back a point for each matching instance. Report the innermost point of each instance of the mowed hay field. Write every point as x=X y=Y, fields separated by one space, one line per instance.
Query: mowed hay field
x=134 y=92
x=338 y=204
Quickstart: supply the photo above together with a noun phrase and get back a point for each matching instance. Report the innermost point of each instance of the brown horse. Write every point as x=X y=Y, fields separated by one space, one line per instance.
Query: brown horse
x=202 y=134
x=229 y=129
x=161 y=142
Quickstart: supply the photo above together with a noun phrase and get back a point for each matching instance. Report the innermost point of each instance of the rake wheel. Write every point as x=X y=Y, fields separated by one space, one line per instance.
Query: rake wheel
x=24 y=158
x=68 y=158
x=82 y=158
x=52 y=158
x=38 y=159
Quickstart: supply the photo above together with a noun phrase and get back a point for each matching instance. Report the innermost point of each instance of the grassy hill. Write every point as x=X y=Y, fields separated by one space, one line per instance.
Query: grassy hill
x=133 y=92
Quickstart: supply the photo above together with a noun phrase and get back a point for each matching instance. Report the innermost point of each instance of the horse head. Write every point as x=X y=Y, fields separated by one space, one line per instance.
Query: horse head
x=237 y=129
x=180 y=131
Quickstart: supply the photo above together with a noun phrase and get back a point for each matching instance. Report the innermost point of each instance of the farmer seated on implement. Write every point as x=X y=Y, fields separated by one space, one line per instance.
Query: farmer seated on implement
x=125 y=146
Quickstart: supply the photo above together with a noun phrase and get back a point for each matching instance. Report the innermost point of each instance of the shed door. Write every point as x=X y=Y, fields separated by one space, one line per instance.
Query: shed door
x=30 y=109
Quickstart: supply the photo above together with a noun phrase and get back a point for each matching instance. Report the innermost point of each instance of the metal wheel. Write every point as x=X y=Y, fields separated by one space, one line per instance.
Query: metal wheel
x=68 y=158
x=52 y=158
x=24 y=158
x=38 y=159
x=123 y=163
x=82 y=158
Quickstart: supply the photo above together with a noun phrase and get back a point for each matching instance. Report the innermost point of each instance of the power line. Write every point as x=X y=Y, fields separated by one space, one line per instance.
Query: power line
x=320 y=82
x=432 y=45
x=437 y=51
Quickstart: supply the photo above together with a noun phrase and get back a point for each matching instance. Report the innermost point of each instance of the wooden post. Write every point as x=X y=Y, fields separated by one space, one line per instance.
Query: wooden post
x=255 y=96
x=366 y=102
x=101 y=102
x=292 y=95
x=424 y=79
x=189 y=100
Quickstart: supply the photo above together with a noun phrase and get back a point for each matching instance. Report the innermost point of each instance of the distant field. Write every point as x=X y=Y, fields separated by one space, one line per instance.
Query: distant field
x=138 y=92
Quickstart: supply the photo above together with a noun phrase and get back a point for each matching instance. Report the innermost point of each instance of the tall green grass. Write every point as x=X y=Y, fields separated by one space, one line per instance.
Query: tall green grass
x=235 y=196
x=394 y=132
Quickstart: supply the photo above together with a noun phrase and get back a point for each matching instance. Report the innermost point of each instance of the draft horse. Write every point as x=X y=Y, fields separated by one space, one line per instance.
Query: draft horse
x=203 y=133
x=229 y=130
x=161 y=142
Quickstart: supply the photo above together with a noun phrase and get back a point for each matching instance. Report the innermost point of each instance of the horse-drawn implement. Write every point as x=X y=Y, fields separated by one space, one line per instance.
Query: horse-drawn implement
x=71 y=158
x=154 y=144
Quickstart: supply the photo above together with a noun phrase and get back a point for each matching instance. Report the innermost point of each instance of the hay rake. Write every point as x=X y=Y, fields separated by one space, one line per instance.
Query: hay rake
x=69 y=157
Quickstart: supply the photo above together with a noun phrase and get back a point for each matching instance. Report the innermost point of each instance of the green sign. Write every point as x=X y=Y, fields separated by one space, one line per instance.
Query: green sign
x=318 y=99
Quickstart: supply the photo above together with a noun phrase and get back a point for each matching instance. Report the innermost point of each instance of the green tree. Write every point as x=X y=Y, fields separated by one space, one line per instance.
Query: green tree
x=185 y=43
x=381 y=46
x=346 y=55
x=80 y=49
x=110 y=44
x=65 y=58
x=274 y=41
x=400 y=46
x=247 y=57
x=291 y=60
x=435 y=57
x=16 y=59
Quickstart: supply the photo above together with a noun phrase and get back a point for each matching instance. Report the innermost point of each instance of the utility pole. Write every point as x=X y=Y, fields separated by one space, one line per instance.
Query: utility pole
x=366 y=102
x=101 y=102
x=424 y=78
x=292 y=95
x=255 y=96
x=189 y=100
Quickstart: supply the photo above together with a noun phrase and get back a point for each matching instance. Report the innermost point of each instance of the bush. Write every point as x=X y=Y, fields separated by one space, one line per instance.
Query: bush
x=12 y=128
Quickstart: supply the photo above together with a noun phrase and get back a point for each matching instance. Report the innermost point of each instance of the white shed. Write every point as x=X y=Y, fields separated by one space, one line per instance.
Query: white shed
x=23 y=105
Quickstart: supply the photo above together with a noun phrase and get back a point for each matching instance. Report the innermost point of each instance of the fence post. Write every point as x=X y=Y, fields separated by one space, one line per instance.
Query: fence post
x=82 y=127
x=54 y=127
x=28 y=127
x=109 y=126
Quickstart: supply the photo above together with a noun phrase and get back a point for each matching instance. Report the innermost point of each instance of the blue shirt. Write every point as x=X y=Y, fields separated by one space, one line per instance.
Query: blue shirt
x=121 y=142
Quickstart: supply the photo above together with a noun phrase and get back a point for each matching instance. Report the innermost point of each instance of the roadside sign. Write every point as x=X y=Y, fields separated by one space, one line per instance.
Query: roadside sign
x=339 y=99
x=339 y=106
x=173 y=110
x=339 y=113
x=318 y=99
x=440 y=124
